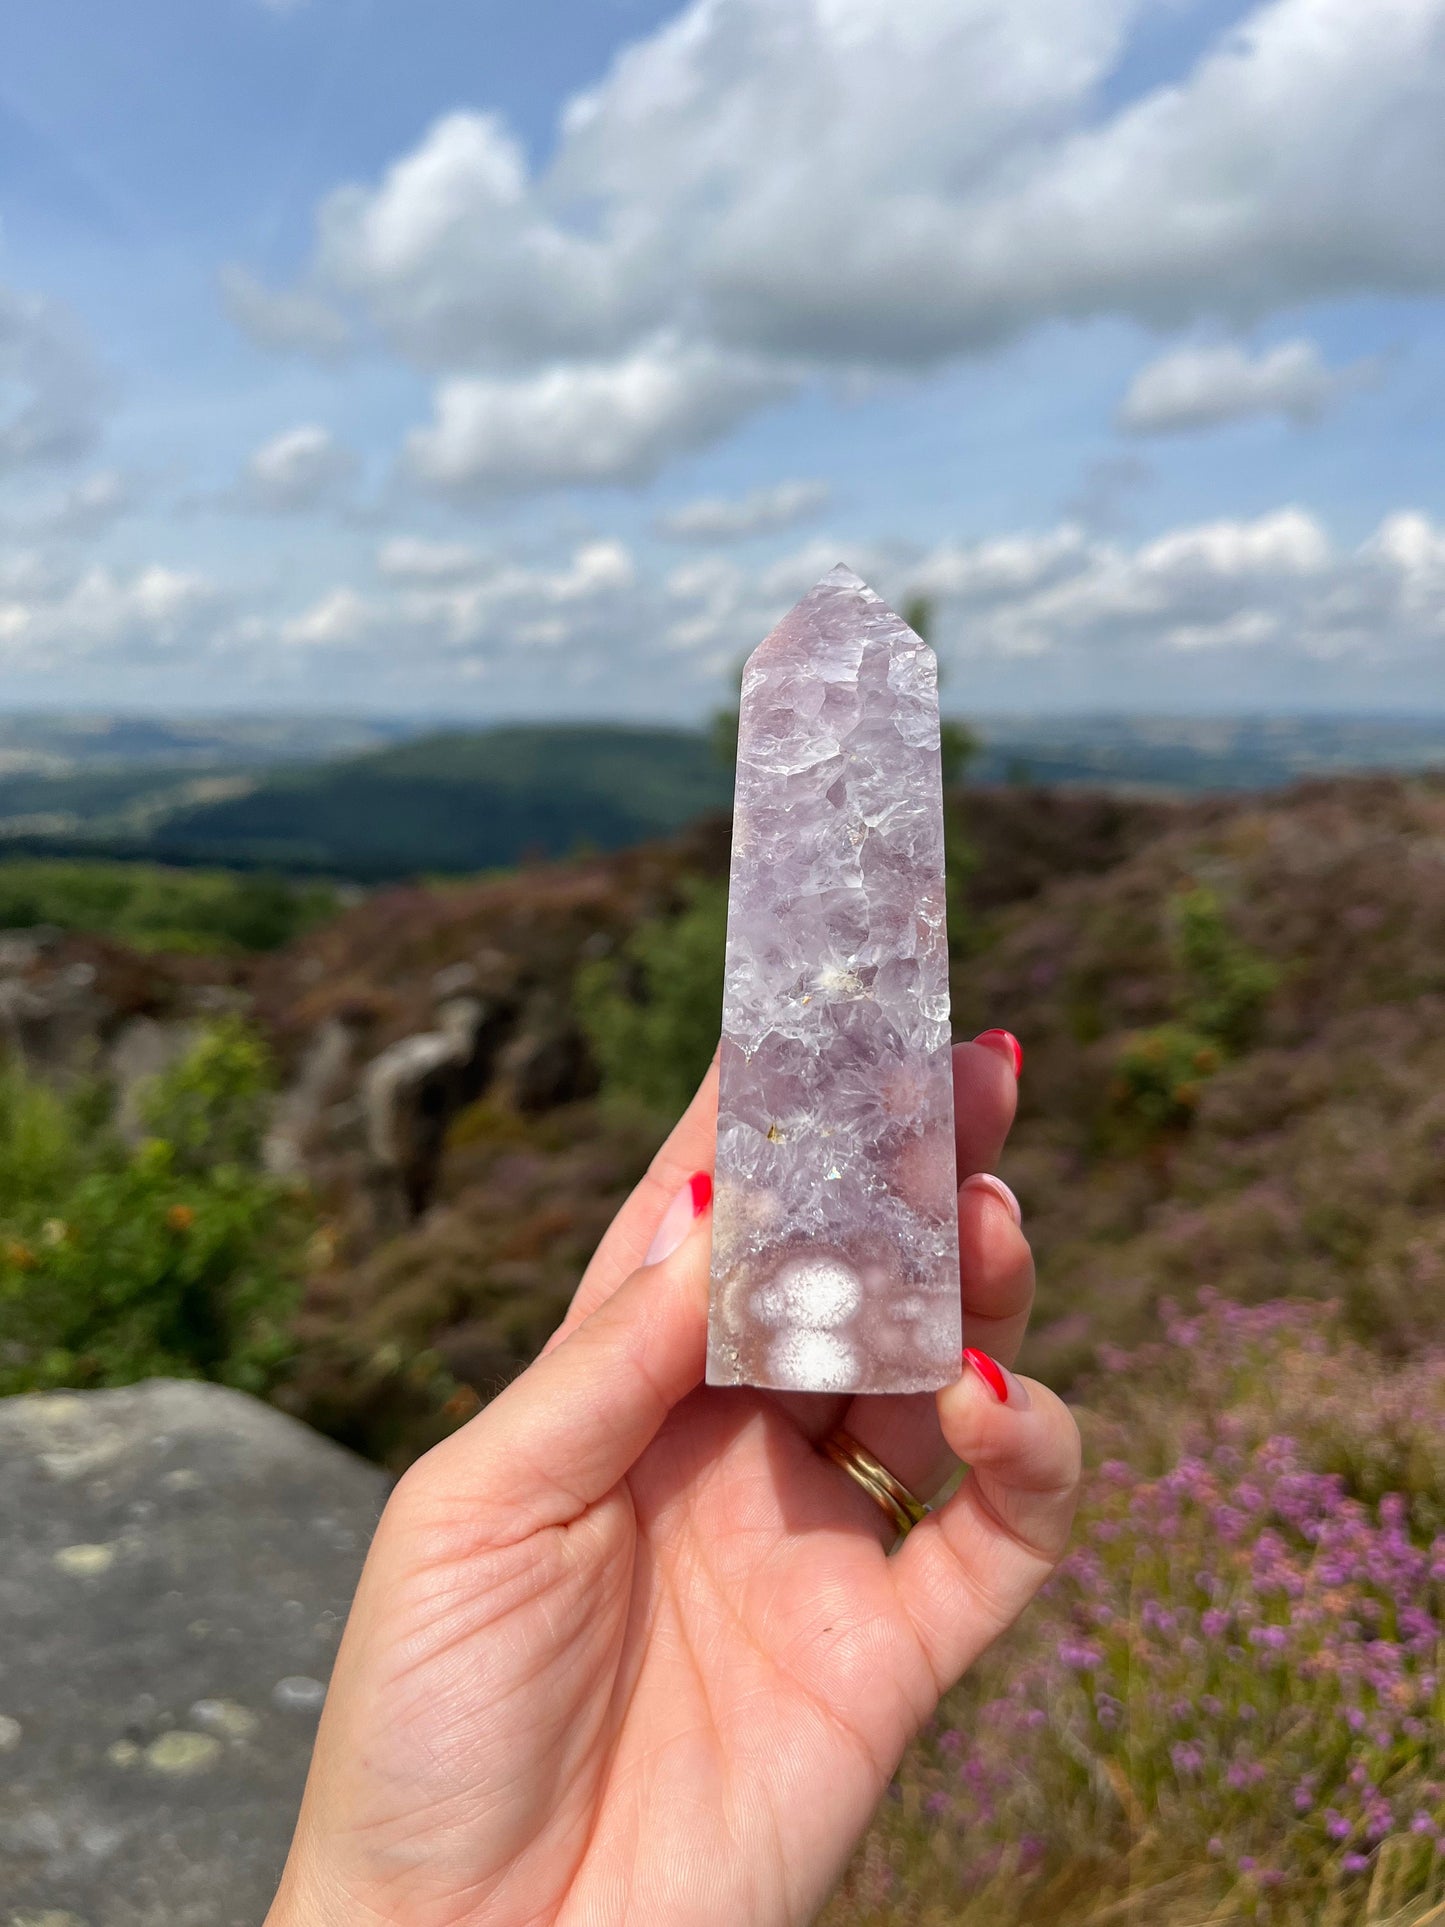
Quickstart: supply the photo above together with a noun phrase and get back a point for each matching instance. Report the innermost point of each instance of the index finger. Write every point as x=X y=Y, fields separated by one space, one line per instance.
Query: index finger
x=690 y=1146
x=985 y=1097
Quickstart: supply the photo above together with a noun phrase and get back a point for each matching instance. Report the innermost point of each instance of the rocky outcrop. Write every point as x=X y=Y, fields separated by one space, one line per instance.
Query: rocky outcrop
x=413 y=1089
x=393 y=1020
x=80 y=1006
x=178 y=1563
x=322 y=1086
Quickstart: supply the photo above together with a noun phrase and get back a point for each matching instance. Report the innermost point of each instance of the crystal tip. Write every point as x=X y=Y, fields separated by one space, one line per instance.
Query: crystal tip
x=842 y=577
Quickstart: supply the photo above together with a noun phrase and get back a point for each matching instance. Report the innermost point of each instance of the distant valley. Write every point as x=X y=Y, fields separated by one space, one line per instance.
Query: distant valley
x=371 y=800
x=444 y=803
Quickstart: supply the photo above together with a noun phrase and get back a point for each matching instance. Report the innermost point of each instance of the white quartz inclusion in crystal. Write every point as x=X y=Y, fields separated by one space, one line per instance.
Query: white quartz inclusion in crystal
x=835 y=1222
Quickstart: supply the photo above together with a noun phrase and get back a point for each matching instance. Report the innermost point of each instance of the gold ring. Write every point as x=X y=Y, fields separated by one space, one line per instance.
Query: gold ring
x=876 y=1480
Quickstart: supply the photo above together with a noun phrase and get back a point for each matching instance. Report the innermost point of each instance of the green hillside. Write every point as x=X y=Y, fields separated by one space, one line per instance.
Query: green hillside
x=375 y=801
x=458 y=801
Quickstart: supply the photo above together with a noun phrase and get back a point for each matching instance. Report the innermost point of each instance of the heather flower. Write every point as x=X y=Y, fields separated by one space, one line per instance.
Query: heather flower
x=1259 y=1578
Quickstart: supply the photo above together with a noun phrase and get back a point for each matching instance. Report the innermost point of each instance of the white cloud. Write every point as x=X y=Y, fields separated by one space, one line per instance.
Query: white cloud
x=285 y=321
x=716 y=519
x=495 y=608
x=1270 y=607
x=51 y=392
x=841 y=184
x=513 y=605
x=84 y=509
x=1410 y=549
x=1286 y=543
x=341 y=619
x=1227 y=586
x=30 y=576
x=596 y=568
x=715 y=609
x=1412 y=543
x=1002 y=569
x=102 y=613
x=1202 y=387
x=91 y=505
x=449 y=257
x=414 y=558
x=301 y=468
x=1268 y=601
x=584 y=422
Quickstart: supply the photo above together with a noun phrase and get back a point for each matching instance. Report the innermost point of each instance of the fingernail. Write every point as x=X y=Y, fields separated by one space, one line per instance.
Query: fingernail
x=1006 y=1044
x=689 y=1204
x=1007 y=1389
x=986 y=1181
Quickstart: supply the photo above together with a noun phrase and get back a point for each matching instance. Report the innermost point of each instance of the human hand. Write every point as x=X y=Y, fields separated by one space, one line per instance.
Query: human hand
x=629 y=1649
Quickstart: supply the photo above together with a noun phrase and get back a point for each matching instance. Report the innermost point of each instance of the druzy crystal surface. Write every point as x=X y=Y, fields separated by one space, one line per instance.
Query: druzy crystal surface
x=835 y=1224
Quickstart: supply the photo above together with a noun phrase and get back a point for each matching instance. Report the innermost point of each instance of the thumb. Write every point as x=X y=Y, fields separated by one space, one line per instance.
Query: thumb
x=969 y=1569
x=576 y=1421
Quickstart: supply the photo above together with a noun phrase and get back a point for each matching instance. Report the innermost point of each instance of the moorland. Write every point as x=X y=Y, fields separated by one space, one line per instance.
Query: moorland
x=351 y=1155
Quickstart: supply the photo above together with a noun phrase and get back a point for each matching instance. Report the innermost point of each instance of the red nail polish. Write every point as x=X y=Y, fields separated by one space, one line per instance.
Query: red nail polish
x=687 y=1207
x=990 y=1372
x=1006 y=1044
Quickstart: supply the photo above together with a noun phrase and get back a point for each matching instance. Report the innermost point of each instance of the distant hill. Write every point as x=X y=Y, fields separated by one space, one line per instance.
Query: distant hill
x=373 y=801
x=458 y=802
x=1195 y=753
x=54 y=743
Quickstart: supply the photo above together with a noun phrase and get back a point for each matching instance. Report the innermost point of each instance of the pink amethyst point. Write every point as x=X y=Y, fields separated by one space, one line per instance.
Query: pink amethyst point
x=835 y=1226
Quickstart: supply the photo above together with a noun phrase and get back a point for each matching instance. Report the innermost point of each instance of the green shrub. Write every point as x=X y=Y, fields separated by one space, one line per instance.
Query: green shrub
x=1223 y=989
x=1160 y=1072
x=211 y=1108
x=652 y=1018
x=179 y=1258
x=1226 y=985
x=154 y=908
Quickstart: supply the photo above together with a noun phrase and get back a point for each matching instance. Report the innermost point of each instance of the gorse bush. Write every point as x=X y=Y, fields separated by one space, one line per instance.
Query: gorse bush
x=1223 y=991
x=652 y=1017
x=178 y=1258
x=1229 y=1701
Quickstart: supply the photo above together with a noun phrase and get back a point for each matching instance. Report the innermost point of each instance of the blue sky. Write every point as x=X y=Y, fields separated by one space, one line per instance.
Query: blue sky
x=483 y=360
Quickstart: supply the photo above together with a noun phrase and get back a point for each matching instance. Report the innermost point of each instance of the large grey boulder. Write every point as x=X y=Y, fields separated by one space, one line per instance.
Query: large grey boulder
x=176 y=1562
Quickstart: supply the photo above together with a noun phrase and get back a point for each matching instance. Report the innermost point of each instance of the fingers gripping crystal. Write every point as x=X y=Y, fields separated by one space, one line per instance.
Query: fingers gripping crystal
x=835 y=1228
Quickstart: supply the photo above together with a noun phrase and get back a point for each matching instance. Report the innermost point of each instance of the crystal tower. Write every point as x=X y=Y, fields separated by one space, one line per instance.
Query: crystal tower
x=835 y=1228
